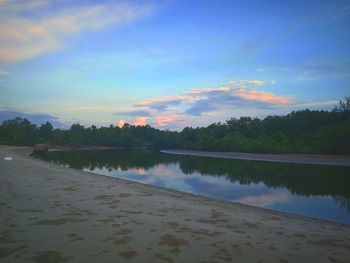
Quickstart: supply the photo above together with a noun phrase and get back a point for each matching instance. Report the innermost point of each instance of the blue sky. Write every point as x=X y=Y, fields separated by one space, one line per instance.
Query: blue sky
x=170 y=64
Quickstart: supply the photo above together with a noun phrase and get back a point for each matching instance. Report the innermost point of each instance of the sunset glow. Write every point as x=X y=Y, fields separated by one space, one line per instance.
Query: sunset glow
x=170 y=63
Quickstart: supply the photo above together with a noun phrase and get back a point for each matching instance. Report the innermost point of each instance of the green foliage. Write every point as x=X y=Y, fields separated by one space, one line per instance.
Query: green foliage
x=298 y=132
x=326 y=132
x=45 y=132
x=18 y=131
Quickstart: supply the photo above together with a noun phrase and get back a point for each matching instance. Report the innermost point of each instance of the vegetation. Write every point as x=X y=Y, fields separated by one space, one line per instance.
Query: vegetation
x=303 y=131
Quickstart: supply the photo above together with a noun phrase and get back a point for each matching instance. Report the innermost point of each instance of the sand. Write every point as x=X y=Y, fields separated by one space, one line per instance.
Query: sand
x=50 y=213
x=338 y=160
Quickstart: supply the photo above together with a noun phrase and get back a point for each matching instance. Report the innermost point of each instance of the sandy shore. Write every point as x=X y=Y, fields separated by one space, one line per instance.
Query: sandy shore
x=50 y=213
x=339 y=160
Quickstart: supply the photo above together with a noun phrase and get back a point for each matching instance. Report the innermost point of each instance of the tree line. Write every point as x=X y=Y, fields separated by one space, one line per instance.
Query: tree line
x=304 y=131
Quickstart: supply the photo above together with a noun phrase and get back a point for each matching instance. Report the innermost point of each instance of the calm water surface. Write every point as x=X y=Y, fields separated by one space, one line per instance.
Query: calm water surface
x=309 y=190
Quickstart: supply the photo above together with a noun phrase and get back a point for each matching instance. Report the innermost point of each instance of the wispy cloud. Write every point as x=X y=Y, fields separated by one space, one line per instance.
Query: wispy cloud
x=203 y=100
x=24 y=36
x=265 y=199
x=165 y=120
x=4 y=72
x=327 y=67
x=13 y=6
x=324 y=68
x=256 y=82
x=162 y=103
x=262 y=96
x=135 y=113
x=253 y=46
x=317 y=104
x=326 y=12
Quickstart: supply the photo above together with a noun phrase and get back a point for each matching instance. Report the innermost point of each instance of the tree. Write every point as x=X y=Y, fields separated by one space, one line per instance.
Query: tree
x=46 y=132
x=343 y=105
x=18 y=131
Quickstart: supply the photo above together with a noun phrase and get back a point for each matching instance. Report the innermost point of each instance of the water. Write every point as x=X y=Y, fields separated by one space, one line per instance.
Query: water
x=310 y=190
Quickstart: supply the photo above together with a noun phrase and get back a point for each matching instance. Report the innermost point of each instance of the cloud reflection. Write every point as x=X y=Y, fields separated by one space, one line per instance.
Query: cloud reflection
x=265 y=199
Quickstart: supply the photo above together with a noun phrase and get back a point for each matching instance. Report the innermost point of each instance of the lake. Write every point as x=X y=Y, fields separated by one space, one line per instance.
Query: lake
x=317 y=191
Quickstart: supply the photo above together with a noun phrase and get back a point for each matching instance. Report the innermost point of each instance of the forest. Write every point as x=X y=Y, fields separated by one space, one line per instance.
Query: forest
x=304 y=131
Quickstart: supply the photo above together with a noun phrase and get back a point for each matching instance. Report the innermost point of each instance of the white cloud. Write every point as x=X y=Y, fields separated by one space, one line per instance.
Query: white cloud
x=256 y=82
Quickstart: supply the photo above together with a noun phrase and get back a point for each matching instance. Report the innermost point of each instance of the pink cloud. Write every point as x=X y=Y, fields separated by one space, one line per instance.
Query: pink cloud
x=237 y=89
x=140 y=121
x=140 y=171
x=23 y=37
x=262 y=96
x=121 y=123
x=174 y=110
x=164 y=120
x=266 y=199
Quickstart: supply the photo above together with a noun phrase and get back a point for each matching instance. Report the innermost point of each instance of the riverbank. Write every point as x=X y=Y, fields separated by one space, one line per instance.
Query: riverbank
x=337 y=160
x=50 y=212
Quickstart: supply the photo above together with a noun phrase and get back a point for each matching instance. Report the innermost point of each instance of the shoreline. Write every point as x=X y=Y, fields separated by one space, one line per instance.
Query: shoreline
x=114 y=219
x=318 y=159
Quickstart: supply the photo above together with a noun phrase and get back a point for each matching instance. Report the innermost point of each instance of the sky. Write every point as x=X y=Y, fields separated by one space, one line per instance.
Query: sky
x=170 y=64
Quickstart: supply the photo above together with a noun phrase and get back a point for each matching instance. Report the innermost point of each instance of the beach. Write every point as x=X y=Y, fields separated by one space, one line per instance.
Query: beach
x=51 y=213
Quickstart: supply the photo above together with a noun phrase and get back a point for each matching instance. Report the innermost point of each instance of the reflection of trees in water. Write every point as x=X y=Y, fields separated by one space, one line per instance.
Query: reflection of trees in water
x=110 y=160
x=299 y=179
x=306 y=180
x=344 y=203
